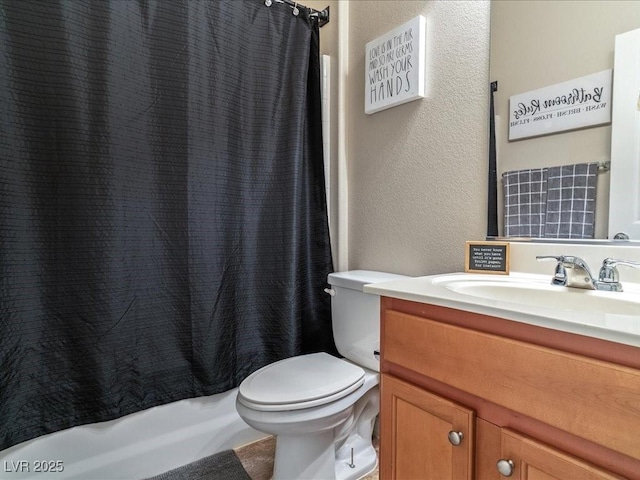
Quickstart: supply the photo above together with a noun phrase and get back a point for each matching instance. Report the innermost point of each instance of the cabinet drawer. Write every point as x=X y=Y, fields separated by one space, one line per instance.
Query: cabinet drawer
x=592 y=399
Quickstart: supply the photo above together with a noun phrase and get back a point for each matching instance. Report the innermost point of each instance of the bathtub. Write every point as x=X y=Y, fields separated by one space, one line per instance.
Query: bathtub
x=136 y=446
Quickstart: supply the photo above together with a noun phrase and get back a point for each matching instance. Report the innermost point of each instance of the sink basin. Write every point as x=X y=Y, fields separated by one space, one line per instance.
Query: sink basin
x=527 y=298
x=537 y=293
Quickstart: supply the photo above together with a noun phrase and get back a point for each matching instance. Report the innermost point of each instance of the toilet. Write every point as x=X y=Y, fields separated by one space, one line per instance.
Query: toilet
x=321 y=408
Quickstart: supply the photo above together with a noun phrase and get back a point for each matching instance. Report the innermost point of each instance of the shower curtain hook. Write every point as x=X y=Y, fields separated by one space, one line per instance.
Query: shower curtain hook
x=295 y=9
x=267 y=3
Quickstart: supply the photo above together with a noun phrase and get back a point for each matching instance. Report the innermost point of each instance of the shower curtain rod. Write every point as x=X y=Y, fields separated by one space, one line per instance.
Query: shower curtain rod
x=321 y=15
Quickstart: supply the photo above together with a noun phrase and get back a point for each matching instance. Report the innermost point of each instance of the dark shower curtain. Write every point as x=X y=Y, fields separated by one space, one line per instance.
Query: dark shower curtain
x=163 y=226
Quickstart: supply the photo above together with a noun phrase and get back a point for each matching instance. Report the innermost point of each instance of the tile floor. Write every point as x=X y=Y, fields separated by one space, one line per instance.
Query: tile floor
x=257 y=459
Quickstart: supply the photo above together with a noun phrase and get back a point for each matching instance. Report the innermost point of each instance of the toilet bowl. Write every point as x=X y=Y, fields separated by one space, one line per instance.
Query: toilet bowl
x=307 y=421
x=322 y=409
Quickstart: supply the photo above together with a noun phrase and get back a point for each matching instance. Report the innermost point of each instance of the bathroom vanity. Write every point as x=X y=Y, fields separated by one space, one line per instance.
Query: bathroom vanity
x=469 y=393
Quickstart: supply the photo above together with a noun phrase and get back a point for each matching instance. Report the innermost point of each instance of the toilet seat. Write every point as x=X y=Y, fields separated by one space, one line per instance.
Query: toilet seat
x=300 y=382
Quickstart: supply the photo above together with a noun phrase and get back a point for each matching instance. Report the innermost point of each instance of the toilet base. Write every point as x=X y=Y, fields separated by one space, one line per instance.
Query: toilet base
x=356 y=456
x=341 y=453
x=304 y=457
x=364 y=459
x=314 y=457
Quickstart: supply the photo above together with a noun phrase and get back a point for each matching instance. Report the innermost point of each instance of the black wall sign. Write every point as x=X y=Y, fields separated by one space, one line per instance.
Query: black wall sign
x=487 y=257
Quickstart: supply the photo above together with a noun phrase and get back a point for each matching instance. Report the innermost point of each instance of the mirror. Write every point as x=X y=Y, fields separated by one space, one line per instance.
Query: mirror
x=539 y=43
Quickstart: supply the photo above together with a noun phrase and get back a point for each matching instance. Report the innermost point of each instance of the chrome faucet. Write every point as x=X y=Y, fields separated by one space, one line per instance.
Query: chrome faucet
x=571 y=272
x=574 y=272
x=609 y=278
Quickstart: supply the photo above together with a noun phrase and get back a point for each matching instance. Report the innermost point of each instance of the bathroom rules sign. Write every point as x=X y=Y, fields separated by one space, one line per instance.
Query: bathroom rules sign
x=394 y=67
x=582 y=102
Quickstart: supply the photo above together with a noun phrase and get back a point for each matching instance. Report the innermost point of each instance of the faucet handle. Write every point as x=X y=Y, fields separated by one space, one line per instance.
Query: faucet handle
x=557 y=258
x=608 y=271
x=612 y=262
x=609 y=278
x=560 y=274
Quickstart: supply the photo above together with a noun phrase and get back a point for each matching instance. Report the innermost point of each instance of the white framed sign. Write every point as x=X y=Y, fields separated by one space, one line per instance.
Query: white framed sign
x=582 y=102
x=394 y=67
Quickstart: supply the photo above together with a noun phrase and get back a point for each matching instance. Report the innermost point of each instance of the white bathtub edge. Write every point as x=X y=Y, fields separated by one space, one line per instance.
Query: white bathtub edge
x=137 y=446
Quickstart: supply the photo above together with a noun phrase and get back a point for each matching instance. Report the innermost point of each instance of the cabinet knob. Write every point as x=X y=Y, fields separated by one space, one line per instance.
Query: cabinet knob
x=455 y=438
x=505 y=467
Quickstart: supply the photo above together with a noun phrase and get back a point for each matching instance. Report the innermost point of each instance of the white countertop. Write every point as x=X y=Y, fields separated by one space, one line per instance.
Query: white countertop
x=614 y=327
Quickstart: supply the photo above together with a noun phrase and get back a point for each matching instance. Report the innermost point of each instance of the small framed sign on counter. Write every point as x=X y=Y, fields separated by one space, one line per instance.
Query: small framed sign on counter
x=487 y=257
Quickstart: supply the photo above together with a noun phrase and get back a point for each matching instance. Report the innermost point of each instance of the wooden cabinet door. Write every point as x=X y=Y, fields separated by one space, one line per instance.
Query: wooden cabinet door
x=415 y=427
x=535 y=461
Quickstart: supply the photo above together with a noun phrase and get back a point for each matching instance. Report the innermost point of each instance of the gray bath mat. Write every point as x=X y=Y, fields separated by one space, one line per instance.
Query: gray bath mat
x=221 y=466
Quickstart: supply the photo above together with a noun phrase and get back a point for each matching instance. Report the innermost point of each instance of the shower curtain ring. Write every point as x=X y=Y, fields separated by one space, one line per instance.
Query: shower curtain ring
x=295 y=9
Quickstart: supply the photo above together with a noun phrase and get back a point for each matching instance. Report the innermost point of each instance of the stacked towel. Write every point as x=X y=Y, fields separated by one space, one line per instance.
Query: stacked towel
x=556 y=202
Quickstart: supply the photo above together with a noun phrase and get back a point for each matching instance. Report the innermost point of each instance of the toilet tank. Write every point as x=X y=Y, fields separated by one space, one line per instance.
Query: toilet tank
x=356 y=315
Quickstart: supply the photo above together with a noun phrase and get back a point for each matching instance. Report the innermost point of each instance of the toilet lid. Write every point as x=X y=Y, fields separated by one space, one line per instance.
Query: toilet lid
x=300 y=382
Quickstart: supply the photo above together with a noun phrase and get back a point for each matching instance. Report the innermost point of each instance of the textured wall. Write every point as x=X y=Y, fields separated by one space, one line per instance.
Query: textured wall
x=417 y=172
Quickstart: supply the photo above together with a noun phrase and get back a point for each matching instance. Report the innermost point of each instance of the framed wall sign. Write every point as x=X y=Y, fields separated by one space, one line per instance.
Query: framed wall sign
x=394 y=67
x=578 y=103
x=487 y=257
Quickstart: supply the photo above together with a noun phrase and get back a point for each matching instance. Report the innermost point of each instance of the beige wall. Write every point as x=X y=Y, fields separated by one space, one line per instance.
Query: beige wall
x=416 y=172
x=535 y=44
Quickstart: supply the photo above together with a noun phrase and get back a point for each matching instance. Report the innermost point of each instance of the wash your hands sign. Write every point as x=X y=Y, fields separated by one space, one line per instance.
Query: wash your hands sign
x=394 y=67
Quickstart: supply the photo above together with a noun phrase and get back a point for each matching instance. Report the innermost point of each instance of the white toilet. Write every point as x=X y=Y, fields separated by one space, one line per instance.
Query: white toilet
x=322 y=409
